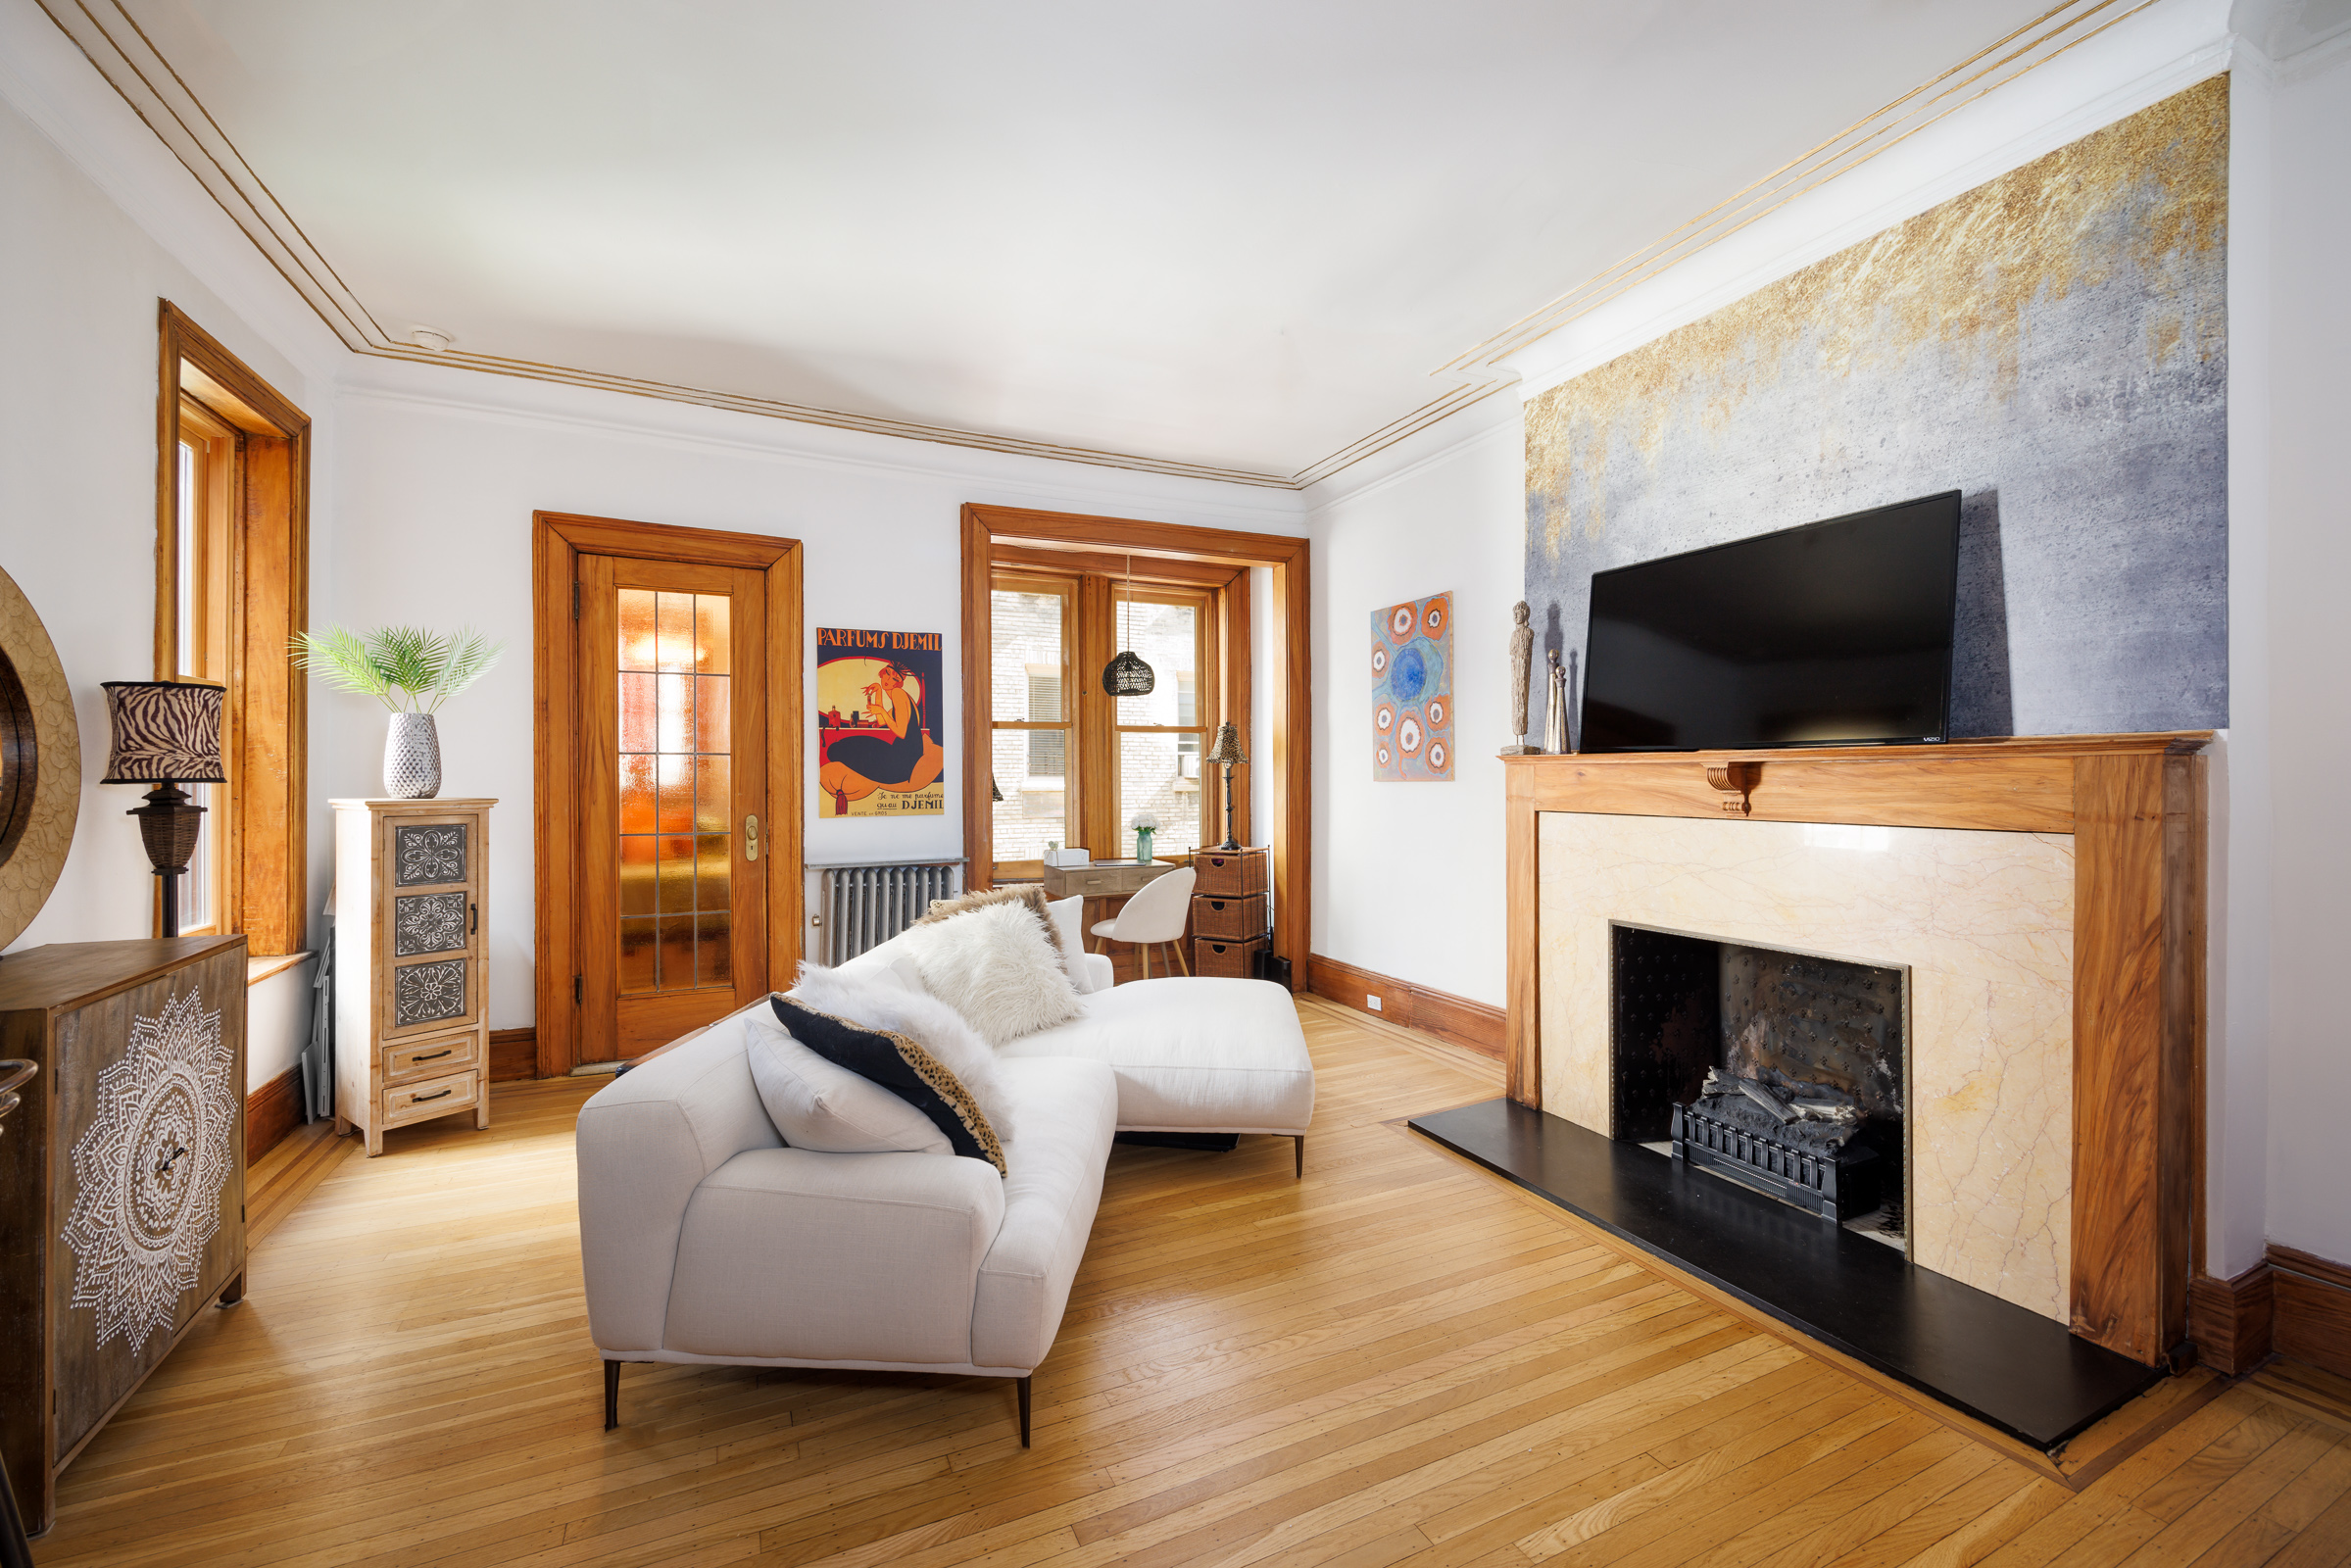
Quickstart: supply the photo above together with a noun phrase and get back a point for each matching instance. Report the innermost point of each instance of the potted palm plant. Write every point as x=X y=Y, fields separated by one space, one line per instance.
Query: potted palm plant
x=410 y=670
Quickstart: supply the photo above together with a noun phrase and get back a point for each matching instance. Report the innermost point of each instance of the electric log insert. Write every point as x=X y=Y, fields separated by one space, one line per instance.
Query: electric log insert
x=1782 y=1072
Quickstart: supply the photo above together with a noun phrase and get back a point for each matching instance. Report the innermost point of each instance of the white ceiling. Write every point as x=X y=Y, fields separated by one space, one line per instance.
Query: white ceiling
x=1234 y=234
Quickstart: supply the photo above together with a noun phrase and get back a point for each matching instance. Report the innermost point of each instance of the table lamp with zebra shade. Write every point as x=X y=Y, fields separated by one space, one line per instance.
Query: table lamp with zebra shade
x=167 y=734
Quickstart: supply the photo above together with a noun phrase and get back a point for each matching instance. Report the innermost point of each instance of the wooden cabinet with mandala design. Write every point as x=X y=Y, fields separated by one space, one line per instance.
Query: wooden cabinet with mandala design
x=412 y=1020
x=122 y=1181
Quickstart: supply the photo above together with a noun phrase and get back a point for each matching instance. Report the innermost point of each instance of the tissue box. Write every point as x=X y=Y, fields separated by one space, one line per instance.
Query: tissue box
x=1068 y=857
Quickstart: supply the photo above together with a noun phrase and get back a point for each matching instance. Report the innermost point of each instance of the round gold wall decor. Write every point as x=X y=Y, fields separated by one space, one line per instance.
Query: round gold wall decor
x=40 y=764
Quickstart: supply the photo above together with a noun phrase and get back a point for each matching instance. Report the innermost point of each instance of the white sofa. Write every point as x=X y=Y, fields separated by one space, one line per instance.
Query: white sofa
x=704 y=1239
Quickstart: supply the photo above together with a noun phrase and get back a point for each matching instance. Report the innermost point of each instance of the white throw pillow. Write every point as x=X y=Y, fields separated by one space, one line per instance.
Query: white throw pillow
x=1069 y=918
x=998 y=968
x=885 y=1001
x=816 y=1104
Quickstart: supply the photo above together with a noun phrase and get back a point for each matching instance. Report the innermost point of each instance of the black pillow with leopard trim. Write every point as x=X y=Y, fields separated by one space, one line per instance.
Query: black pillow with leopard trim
x=901 y=1065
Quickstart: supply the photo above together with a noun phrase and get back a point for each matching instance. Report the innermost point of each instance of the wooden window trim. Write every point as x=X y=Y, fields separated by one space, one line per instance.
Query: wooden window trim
x=1209 y=675
x=1007 y=534
x=558 y=540
x=1042 y=578
x=265 y=724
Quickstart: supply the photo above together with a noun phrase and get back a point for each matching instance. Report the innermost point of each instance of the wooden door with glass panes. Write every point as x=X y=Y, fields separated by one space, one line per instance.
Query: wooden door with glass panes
x=672 y=753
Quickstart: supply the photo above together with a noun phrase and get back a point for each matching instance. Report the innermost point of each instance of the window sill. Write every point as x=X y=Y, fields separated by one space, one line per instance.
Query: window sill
x=261 y=968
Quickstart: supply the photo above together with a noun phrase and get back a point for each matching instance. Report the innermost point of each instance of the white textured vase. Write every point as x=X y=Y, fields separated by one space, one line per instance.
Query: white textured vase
x=412 y=757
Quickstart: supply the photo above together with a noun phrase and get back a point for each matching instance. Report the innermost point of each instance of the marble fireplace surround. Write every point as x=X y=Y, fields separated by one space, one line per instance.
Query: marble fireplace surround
x=2046 y=897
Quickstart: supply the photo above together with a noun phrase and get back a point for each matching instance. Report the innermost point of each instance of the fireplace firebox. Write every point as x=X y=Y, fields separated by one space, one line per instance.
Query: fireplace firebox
x=1783 y=1071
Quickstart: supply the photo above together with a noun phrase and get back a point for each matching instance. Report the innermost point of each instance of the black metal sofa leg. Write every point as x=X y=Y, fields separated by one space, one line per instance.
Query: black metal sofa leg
x=612 y=1394
x=1023 y=1384
x=1301 y=1156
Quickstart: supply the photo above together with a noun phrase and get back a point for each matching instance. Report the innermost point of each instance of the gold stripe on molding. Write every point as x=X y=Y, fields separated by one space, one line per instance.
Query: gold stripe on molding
x=2036 y=43
x=135 y=67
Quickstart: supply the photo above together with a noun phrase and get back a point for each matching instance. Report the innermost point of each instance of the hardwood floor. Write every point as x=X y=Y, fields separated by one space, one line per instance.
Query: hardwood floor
x=1396 y=1360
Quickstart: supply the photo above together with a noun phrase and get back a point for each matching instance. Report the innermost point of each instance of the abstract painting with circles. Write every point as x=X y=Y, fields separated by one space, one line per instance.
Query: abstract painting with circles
x=1412 y=691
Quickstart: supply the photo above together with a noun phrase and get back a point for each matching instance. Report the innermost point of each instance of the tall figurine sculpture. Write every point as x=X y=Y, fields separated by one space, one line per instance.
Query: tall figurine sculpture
x=1555 y=729
x=1522 y=656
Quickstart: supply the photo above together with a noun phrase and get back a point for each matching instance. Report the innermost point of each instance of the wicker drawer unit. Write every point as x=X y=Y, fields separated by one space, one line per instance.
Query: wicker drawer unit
x=1229 y=916
x=1232 y=873
x=412 y=1019
x=1227 y=960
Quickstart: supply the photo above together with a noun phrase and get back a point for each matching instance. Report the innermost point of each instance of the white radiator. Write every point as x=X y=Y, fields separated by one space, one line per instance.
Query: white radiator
x=861 y=906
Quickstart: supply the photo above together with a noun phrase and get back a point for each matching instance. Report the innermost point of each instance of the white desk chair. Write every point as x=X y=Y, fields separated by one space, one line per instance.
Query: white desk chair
x=1154 y=916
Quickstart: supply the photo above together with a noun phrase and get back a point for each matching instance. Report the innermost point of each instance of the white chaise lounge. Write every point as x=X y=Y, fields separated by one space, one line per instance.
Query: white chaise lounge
x=704 y=1239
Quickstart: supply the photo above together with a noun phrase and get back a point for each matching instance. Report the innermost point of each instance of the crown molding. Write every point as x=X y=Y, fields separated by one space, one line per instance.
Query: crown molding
x=1466 y=427
x=45 y=78
x=111 y=42
x=2055 y=34
x=1006 y=477
x=2171 y=45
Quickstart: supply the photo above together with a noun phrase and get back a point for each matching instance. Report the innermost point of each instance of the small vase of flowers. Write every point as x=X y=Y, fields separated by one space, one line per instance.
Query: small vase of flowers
x=1144 y=825
x=410 y=670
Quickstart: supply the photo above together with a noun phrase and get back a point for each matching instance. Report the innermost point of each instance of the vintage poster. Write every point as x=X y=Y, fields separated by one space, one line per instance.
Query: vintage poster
x=877 y=723
x=1412 y=691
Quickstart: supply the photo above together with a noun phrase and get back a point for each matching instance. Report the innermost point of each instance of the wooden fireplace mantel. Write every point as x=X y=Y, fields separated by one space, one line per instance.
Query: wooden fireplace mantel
x=2136 y=808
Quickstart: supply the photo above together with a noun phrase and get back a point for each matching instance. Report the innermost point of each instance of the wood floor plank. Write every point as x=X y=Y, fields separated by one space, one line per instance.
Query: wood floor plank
x=1398 y=1361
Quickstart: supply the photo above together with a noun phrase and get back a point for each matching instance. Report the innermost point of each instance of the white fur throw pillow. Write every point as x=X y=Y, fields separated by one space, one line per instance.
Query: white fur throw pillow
x=997 y=966
x=819 y=1106
x=885 y=1001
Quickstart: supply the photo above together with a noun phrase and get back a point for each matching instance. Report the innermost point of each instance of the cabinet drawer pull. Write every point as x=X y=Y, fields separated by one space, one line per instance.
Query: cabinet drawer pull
x=422 y=1099
x=434 y=1055
x=477 y=927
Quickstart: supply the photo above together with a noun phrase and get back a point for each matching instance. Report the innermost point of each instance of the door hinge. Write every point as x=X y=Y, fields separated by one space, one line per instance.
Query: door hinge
x=575 y=599
x=579 y=989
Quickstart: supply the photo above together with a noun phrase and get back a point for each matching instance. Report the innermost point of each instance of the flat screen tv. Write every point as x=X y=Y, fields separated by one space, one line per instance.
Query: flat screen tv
x=1835 y=633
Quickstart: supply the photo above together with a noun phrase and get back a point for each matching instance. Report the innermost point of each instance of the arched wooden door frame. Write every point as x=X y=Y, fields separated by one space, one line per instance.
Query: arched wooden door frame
x=1288 y=682
x=558 y=541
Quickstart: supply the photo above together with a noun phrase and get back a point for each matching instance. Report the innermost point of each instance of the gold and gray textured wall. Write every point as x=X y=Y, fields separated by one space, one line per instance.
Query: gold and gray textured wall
x=2053 y=344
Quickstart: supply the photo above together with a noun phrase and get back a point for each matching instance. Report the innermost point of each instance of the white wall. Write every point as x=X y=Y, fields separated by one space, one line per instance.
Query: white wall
x=80 y=280
x=2308 y=567
x=440 y=471
x=1408 y=877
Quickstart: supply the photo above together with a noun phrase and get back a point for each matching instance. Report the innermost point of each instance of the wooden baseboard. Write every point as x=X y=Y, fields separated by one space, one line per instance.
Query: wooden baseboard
x=2230 y=1320
x=1473 y=1025
x=271 y=1111
x=513 y=1055
x=2292 y=1304
x=2314 y=1309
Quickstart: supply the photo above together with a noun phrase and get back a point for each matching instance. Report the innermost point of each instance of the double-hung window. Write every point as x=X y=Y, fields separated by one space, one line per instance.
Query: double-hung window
x=193 y=631
x=231 y=586
x=1072 y=766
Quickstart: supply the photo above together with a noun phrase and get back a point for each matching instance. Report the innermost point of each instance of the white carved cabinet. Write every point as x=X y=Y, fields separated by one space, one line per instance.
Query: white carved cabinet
x=412 y=1017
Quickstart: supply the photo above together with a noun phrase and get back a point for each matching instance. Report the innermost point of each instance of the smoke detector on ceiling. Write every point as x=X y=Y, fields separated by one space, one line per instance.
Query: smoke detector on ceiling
x=431 y=338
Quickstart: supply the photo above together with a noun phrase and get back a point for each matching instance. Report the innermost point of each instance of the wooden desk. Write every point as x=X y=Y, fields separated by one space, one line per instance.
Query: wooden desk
x=1104 y=879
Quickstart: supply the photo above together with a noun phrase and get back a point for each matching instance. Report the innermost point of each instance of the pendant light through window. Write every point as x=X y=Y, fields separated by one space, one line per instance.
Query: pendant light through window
x=1127 y=675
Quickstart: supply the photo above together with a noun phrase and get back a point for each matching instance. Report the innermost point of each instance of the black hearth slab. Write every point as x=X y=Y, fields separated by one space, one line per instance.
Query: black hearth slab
x=2008 y=1367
